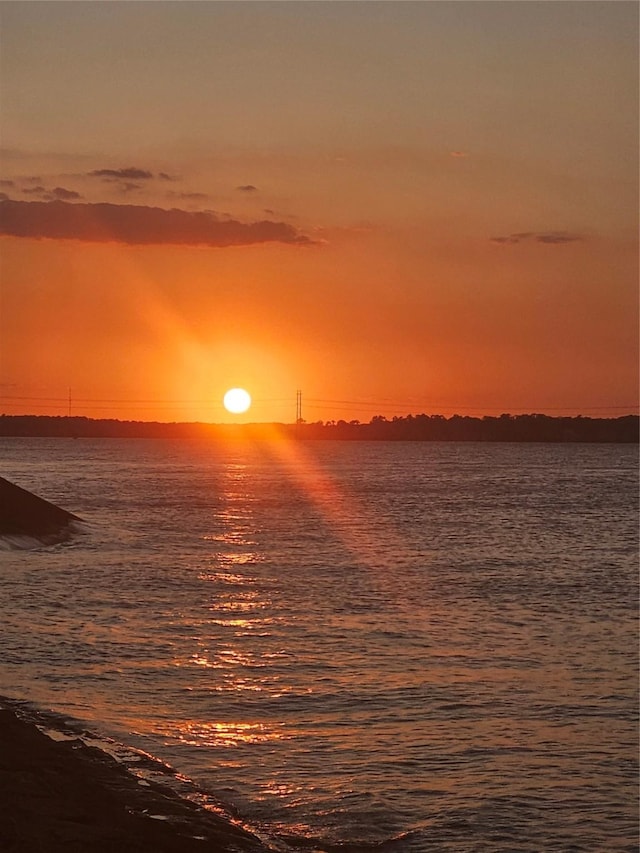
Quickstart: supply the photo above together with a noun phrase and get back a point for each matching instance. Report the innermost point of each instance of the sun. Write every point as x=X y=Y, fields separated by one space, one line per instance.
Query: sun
x=237 y=400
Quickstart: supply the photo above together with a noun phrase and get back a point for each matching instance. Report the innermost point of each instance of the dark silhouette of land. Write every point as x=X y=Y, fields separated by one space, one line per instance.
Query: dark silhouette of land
x=508 y=428
x=25 y=514
x=64 y=796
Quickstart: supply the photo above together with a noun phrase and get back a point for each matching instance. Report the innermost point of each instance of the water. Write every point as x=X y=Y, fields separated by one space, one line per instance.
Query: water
x=391 y=646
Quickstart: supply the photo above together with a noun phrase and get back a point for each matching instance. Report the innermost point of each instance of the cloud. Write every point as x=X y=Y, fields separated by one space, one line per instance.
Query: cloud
x=4 y=197
x=458 y=154
x=548 y=237
x=5 y=182
x=187 y=196
x=56 y=194
x=63 y=194
x=247 y=188
x=131 y=173
x=557 y=237
x=138 y=225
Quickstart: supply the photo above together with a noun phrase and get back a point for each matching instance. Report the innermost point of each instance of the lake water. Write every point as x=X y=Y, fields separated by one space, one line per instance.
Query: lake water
x=414 y=647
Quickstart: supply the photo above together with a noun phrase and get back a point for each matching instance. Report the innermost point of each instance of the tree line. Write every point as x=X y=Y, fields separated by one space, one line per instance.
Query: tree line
x=422 y=427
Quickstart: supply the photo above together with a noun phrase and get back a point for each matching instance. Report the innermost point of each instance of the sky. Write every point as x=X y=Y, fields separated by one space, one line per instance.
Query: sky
x=393 y=207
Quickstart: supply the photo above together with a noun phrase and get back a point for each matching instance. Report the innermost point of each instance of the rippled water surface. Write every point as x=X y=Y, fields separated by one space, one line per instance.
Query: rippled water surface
x=428 y=645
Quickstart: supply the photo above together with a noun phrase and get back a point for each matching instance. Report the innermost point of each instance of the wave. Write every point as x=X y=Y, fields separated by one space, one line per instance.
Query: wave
x=395 y=844
x=30 y=542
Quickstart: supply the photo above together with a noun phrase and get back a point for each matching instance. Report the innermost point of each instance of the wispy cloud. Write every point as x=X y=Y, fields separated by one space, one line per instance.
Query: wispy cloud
x=55 y=194
x=247 y=188
x=458 y=154
x=189 y=196
x=63 y=194
x=548 y=237
x=138 y=225
x=557 y=237
x=129 y=174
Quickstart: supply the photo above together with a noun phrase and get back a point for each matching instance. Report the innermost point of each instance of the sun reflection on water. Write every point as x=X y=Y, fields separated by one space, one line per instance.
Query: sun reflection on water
x=247 y=624
x=226 y=734
x=236 y=610
x=242 y=601
x=226 y=577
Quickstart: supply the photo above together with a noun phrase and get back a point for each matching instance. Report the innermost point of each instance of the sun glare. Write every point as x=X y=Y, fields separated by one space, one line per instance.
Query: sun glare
x=237 y=400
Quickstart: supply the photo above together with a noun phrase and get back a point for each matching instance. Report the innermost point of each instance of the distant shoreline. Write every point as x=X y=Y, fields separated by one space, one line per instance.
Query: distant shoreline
x=505 y=428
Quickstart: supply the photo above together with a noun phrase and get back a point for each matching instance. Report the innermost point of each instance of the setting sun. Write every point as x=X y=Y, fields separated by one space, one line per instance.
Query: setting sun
x=237 y=400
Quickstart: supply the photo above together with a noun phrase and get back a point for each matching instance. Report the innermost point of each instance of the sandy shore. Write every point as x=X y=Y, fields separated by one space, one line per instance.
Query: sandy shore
x=60 y=796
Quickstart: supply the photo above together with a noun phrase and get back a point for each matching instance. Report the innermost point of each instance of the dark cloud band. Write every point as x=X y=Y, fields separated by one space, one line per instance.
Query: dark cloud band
x=131 y=173
x=549 y=237
x=137 y=225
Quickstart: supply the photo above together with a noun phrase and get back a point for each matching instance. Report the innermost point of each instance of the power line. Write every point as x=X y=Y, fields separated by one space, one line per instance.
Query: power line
x=446 y=405
x=130 y=400
x=102 y=404
x=345 y=405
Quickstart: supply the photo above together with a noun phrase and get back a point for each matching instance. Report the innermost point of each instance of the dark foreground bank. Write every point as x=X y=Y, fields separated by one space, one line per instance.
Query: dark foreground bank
x=60 y=796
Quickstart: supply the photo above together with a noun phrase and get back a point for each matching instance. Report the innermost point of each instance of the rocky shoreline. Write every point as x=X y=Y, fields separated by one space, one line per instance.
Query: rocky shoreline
x=68 y=797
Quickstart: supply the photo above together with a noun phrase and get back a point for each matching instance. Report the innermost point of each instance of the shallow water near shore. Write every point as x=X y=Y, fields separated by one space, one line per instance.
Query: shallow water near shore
x=428 y=647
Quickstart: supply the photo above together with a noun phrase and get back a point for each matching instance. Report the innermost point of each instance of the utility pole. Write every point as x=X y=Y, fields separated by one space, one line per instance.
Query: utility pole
x=298 y=407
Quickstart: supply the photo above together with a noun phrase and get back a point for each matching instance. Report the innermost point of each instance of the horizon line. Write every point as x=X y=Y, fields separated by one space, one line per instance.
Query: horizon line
x=332 y=422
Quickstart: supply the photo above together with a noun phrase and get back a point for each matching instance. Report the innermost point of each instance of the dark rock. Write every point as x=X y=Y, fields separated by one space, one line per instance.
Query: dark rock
x=25 y=514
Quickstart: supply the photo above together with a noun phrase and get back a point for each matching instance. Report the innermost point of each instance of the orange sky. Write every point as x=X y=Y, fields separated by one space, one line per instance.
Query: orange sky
x=394 y=207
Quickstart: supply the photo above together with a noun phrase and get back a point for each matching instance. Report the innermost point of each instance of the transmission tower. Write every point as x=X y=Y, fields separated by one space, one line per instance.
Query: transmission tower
x=298 y=407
